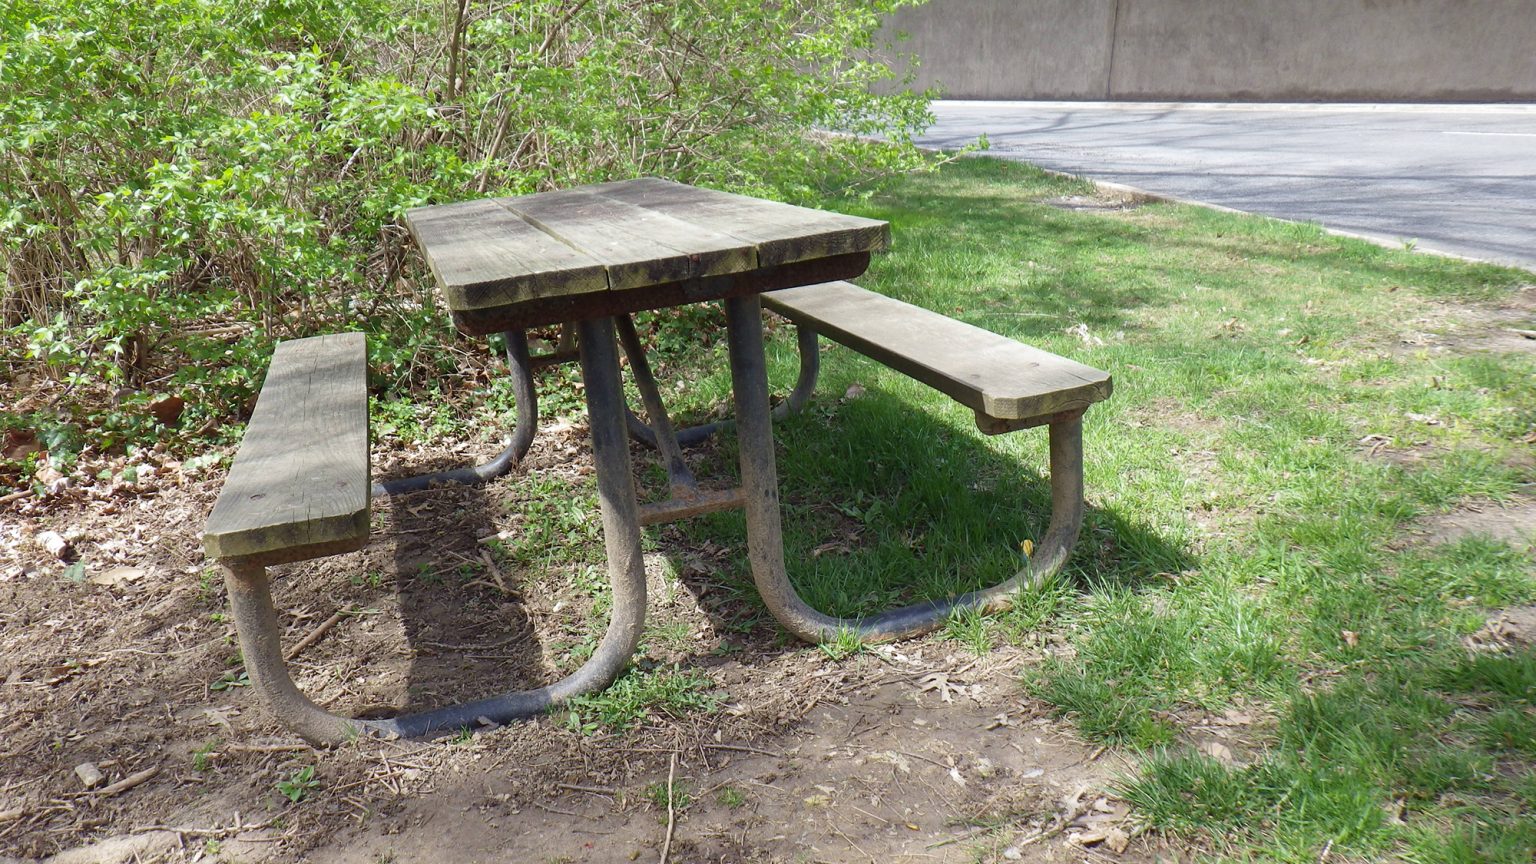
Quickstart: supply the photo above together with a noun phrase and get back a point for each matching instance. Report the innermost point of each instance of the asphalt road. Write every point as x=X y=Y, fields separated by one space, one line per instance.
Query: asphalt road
x=1458 y=179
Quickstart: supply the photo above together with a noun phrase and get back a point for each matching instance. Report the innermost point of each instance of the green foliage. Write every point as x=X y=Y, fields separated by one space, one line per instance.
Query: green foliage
x=662 y=794
x=187 y=180
x=298 y=785
x=635 y=697
x=203 y=755
x=731 y=797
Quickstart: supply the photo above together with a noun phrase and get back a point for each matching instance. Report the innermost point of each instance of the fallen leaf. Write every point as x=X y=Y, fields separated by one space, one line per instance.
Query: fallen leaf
x=19 y=443
x=1218 y=751
x=936 y=681
x=167 y=409
x=117 y=576
x=1350 y=637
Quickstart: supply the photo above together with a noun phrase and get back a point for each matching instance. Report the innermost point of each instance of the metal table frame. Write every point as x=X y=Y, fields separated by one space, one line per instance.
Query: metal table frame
x=599 y=331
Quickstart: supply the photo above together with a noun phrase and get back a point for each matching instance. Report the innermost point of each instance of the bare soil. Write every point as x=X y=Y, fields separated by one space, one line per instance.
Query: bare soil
x=117 y=655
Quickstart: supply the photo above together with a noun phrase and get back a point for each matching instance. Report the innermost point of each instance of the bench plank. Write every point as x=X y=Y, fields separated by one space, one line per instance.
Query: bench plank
x=990 y=374
x=299 y=486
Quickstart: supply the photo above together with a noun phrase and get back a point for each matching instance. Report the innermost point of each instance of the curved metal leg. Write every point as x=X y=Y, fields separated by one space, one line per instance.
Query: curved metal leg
x=805 y=385
x=251 y=598
x=521 y=368
x=765 y=539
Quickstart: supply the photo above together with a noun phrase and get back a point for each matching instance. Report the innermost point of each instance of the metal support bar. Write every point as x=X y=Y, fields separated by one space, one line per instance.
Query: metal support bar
x=678 y=476
x=765 y=539
x=521 y=368
x=805 y=385
x=256 y=620
x=697 y=505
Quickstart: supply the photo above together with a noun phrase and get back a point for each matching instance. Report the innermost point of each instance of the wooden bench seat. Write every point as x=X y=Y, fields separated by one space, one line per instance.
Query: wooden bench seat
x=299 y=487
x=1008 y=384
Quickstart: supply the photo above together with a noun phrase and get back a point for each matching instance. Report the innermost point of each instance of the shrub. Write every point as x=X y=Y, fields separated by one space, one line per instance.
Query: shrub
x=185 y=181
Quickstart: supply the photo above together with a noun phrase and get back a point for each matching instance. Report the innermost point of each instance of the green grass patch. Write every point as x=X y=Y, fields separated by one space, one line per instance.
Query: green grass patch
x=638 y=696
x=1282 y=428
x=1278 y=424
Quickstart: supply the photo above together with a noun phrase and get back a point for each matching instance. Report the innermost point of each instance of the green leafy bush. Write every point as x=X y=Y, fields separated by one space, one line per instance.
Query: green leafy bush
x=185 y=181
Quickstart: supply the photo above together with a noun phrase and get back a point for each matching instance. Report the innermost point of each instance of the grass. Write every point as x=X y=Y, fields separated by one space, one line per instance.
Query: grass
x=637 y=696
x=1277 y=430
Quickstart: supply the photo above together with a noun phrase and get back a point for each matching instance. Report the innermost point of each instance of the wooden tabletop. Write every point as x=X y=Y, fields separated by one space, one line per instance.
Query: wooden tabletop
x=617 y=247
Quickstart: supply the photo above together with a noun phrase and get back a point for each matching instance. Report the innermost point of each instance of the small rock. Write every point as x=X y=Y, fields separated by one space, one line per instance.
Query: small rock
x=1013 y=853
x=55 y=543
x=89 y=774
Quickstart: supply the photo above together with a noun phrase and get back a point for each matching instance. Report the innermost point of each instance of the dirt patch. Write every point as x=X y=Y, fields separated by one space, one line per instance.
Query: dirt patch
x=1508 y=629
x=1509 y=327
x=879 y=770
x=1102 y=201
x=1513 y=523
x=117 y=655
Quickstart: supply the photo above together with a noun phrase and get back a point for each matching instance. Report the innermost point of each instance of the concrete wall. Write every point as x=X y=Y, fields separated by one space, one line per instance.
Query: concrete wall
x=1299 y=50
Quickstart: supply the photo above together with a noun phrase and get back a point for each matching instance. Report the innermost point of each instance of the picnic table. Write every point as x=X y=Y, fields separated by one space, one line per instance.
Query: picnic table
x=586 y=259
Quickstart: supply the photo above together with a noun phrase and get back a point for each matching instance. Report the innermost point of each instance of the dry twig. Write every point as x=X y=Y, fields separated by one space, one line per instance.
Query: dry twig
x=666 y=844
x=315 y=635
x=126 y=783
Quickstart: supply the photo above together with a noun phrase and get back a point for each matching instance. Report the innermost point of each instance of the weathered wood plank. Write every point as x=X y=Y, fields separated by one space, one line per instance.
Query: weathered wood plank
x=300 y=482
x=637 y=246
x=990 y=374
x=783 y=233
x=484 y=256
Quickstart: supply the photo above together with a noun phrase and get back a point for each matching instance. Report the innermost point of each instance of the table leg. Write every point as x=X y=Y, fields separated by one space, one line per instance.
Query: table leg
x=765 y=533
x=521 y=368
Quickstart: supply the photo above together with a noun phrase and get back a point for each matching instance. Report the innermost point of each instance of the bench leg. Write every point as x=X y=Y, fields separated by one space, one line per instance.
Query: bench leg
x=805 y=385
x=256 y=621
x=765 y=537
x=521 y=367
